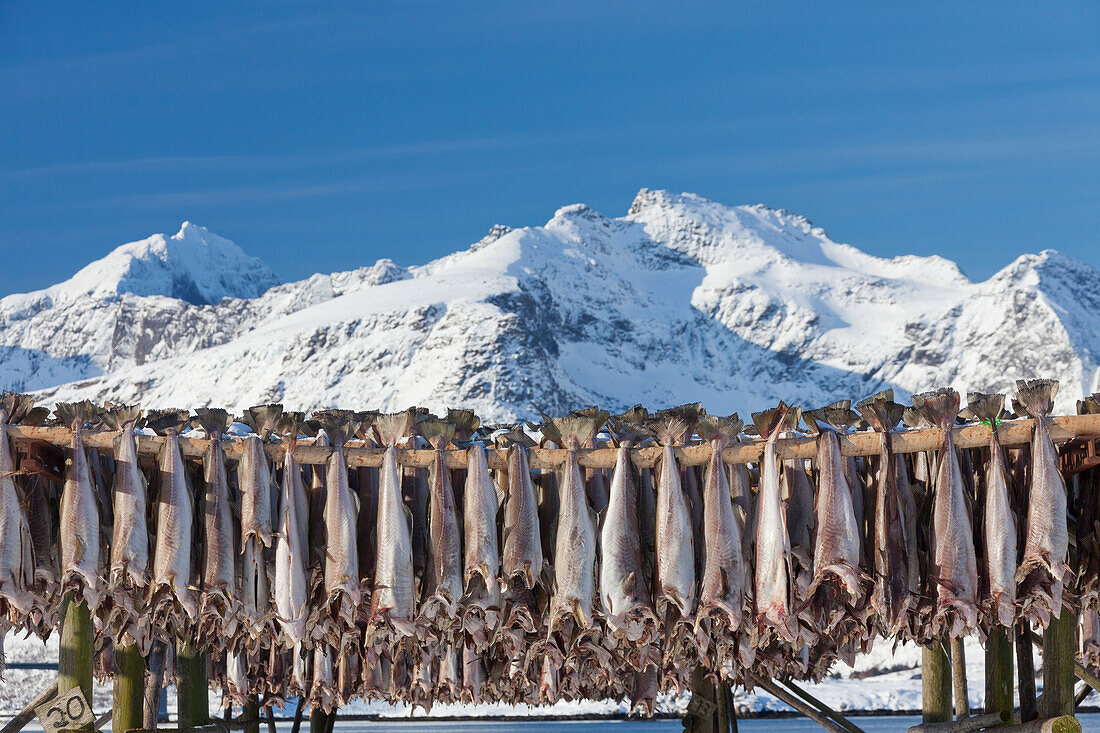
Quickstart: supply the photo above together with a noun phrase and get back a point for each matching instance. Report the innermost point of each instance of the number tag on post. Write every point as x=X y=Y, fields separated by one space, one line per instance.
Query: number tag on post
x=66 y=711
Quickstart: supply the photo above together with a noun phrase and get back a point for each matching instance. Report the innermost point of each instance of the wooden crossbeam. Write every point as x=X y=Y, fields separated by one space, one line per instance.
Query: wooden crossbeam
x=1011 y=433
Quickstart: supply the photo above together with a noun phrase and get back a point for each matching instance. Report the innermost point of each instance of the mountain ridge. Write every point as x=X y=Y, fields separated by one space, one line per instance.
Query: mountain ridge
x=680 y=299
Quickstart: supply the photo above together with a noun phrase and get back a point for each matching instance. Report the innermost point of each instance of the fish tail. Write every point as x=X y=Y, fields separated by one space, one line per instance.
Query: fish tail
x=437 y=432
x=987 y=408
x=881 y=411
x=163 y=421
x=675 y=424
x=575 y=430
x=115 y=417
x=1036 y=396
x=939 y=407
x=769 y=422
x=340 y=425
x=712 y=427
x=263 y=419
x=465 y=422
x=15 y=406
x=213 y=420
x=393 y=427
x=1090 y=405
x=77 y=412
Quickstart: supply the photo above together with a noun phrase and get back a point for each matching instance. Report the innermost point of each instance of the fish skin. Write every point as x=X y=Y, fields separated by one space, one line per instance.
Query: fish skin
x=625 y=598
x=444 y=574
x=1000 y=538
x=522 y=557
x=674 y=540
x=79 y=527
x=1043 y=568
x=722 y=592
x=254 y=480
x=130 y=542
x=773 y=548
x=16 y=560
x=836 y=542
x=341 y=554
x=482 y=597
x=575 y=545
x=954 y=567
x=393 y=599
x=291 y=552
x=174 y=533
x=218 y=550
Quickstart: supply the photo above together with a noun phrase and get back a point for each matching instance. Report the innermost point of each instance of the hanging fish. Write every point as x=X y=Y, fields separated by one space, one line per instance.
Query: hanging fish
x=675 y=544
x=523 y=557
x=954 y=567
x=173 y=597
x=624 y=593
x=292 y=547
x=341 y=554
x=219 y=552
x=16 y=558
x=1043 y=569
x=79 y=526
x=1000 y=520
x=773 y=547
x=575 y=546
x=837 y=581
x=393 y=600
x=258 y=491
x=481 y=575
x=890 y=597
x=442 y=588
x=722 y=596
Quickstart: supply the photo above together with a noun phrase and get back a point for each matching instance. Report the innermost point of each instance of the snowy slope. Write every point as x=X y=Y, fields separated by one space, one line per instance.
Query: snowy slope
x=681 y=299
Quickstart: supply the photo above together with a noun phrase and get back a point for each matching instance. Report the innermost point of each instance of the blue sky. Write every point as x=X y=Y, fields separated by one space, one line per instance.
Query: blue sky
x=322 y=136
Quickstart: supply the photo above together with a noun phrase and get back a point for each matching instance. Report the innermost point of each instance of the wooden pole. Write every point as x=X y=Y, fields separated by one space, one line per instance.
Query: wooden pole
x=703 y=712
x=1063 y=724
x=74 y=661
x=958 y=679
x=935 y=684
x=250 y=715
x=1062 y=428
x=1058 y=672
x=318 y=721
x=770 y=687
x=192 y=687
x=1025 y=672
x=966 y=725
x=297 y=726
x=154 y=681
x=129 y=686
x=834 y=715
x=998 y=672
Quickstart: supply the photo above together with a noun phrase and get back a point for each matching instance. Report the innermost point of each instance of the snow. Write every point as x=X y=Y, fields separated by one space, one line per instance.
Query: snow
x=682 y=299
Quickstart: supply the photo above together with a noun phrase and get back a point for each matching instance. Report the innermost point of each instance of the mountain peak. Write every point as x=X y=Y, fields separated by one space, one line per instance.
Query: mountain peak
x=193 y=265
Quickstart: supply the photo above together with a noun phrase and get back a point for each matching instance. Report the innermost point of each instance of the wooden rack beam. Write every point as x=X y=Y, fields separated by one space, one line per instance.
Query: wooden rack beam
x=1011 y=433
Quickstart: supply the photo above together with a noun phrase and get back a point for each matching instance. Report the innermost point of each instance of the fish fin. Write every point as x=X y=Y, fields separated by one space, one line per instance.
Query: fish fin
x=985 y=408
x=465 y=422
x=576 y=430
x=837 y=416
x=912 y=417
x=116 y=417
x=437 y=432
x=1035 y=396
x=1090 y=405
x=499 y=491
x=881 y=412
x=340 y=425
x=939 y=407
x=213 y=420
x=15 y=406
x=392 y=428
x=163 y=421
x=713 y=427
x=675 y=424
x=515 y=436
x=70 y=413
x=769 y=422
x=629 y=582
x=263 y=419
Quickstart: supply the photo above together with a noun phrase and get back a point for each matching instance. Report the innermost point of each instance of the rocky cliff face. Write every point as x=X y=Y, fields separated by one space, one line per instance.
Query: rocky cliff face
x=681 y=299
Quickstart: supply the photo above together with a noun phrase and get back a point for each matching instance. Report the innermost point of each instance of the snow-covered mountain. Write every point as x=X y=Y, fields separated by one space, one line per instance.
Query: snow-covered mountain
x=681 y=299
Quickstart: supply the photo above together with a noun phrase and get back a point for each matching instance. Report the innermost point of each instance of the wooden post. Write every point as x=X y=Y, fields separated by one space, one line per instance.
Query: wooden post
x=129 y=688
x=1058 y=676
x=935 y=683
x=318 y=721
x=958 y=679
x=192 y=687
x=703 y=710
x=153 y=685
x=998 y=672
x=1025 y=672
x=250 y=715
x=74 y=661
